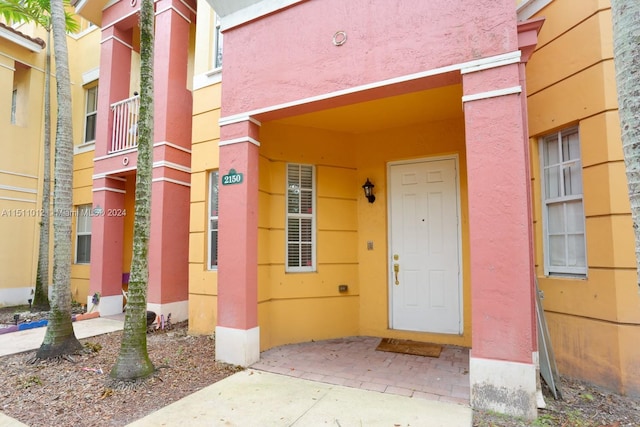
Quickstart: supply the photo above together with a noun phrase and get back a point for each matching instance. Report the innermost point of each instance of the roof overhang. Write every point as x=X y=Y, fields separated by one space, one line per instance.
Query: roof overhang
x=237 y=12
x=34 y=45
x=91 y=10
x=528 y=37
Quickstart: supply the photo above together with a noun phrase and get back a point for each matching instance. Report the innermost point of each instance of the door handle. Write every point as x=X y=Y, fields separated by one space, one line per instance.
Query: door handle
x=396 y=270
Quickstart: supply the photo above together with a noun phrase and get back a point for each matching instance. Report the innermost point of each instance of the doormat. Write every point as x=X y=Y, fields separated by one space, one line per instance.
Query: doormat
x=410 y=347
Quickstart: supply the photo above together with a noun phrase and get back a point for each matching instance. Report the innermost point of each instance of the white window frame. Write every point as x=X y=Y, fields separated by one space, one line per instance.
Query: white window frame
x=301 y=215
x=14 y=106
x=83 y=221
x=549 y=270
x=527 y=8
x=90 y=113
x=213 y=212
x=217 y=42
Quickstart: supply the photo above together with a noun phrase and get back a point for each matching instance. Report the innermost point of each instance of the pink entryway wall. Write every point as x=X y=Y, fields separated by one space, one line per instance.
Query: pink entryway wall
x=168 y=248
x=283 y=63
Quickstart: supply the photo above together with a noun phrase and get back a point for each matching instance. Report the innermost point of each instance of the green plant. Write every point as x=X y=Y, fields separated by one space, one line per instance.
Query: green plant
x=545 y=420
x=93 y=347
x=30 y=381
x=576 y=419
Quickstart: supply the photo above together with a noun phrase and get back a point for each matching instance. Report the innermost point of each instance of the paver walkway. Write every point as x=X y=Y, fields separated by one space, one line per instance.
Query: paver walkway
x=354 y=362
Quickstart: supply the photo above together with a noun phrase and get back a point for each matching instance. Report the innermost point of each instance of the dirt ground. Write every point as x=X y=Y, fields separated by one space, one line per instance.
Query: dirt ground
x=78 y=392
x=583 y=405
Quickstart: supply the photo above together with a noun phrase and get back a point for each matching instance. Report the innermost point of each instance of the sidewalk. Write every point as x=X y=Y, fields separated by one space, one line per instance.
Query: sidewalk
x=257 y=398
x=260 y=399
x=30 y=339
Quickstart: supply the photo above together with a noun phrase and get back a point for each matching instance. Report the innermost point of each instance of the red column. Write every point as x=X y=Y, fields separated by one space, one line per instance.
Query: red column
x=115 y=77
x=503 y=375
x=169 y=242
x=107 y=230
x=237 y=332
x=108 y=192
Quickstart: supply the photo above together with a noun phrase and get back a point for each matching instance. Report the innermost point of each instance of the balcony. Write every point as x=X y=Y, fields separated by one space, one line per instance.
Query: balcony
x=125 y=124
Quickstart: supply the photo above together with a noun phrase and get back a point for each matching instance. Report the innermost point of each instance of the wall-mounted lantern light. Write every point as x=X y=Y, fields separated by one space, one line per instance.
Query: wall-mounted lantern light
x=368 y=191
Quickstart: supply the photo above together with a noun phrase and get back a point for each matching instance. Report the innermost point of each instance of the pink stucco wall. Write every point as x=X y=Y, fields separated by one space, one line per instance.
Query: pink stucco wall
x=499 y=219
x=238 y=274
x=292 y=54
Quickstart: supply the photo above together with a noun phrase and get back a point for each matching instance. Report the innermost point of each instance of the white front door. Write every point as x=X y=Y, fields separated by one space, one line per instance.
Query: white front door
x=425 y=280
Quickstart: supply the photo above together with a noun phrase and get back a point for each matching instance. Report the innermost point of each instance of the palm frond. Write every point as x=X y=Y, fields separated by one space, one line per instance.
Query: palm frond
x=36 y=11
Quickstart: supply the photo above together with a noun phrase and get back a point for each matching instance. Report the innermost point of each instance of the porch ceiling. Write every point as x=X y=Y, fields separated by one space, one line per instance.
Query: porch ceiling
x=91 y=10
x=436 y=104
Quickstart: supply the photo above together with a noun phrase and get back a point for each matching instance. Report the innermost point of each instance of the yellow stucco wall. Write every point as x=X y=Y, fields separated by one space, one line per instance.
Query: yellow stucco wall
x=20 y=168
x=204 y=158
x=296 y=307
x=442 y=138
x=594 y=321
x=84 y=58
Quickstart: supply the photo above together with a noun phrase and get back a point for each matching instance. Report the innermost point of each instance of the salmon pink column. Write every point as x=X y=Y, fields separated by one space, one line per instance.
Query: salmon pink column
x=108 y=192
x=237 y=331
x=502 y=365
x=169 y=241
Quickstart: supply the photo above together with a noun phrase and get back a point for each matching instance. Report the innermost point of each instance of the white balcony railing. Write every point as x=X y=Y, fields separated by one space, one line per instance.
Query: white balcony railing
x=125 y=124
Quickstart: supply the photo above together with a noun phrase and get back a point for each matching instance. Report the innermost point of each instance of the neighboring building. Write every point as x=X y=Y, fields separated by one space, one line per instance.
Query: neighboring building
x=492 y=166
x=585 y=255
x=22 y=63
x=114 y=155
x=21 y=89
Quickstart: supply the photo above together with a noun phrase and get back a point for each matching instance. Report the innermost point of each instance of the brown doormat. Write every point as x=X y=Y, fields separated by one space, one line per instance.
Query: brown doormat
x=410 y=347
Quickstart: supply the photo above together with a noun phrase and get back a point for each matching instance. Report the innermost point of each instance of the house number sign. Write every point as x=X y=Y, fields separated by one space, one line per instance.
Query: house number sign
x=232 y=178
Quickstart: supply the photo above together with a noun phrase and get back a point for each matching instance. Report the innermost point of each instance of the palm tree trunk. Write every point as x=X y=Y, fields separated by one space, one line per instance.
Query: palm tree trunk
x=133 y=359
x=60 y=338
x=41 y=297
x=626 y=53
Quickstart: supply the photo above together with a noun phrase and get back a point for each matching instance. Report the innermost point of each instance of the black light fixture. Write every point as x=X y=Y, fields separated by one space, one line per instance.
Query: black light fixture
x=368 y=191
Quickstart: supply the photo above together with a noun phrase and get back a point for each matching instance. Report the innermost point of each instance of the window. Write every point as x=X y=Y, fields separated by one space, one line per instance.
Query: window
x=213 y=220
x=84 y=25
x=91 y=114
x=83 y=234
x=14 y=105
x=301 y=218
x=217 y=44
x=563 y=212
x=20 y=94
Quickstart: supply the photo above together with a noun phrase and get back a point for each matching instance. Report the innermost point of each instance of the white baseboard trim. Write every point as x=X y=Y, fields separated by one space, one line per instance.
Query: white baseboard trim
x=503 y=386
x=179 y=310
x=106 y=306
x=238 y=346
x=10 y=297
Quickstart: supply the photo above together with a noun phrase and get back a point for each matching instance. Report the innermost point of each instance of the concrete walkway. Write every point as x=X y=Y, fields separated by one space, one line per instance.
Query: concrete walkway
x=256 y=398
x=261 y=399
x=31 y=339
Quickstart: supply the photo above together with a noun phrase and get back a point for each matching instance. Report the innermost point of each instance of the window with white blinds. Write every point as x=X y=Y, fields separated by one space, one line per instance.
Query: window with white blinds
x=563 y=211
x=301 y=219
x=213 y=220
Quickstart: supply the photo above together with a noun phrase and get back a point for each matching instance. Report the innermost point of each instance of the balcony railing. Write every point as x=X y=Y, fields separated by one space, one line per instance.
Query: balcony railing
x=125 y=124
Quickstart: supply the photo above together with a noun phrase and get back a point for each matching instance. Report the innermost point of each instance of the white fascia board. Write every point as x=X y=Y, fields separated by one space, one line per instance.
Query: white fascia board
x=254 y=11
x=90 y=76
x=19 y=40
x=528 y=8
